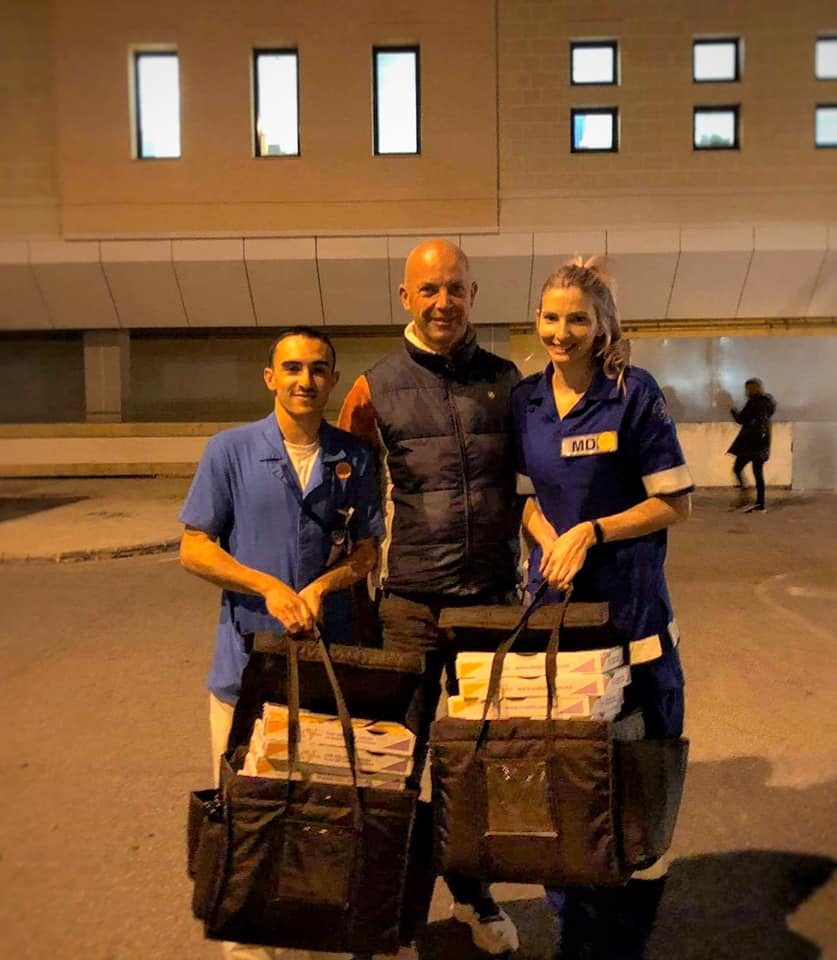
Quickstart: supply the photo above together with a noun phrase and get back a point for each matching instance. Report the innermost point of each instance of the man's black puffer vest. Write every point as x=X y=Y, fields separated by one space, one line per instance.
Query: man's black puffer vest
x=446 y=431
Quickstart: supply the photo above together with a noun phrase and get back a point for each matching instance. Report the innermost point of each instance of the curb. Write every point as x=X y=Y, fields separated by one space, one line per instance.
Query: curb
x=100 y=553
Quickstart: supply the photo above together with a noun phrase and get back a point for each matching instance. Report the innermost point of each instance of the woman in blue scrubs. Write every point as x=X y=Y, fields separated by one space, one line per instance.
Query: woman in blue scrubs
x=604 y=476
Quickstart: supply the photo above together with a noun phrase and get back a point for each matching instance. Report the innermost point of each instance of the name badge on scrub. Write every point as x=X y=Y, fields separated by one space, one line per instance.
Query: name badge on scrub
x=590 y=443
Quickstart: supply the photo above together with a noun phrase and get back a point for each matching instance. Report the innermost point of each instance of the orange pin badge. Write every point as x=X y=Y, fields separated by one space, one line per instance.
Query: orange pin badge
x=343 y=470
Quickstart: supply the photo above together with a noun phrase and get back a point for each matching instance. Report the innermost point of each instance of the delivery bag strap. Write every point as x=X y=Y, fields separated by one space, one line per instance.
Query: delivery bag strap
x=551 y=659
x=493 y=694
x=342 y=713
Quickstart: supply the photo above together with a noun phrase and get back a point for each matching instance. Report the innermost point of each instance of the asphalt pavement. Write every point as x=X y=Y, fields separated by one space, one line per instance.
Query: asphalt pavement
x=89 y=518
x=102 y=663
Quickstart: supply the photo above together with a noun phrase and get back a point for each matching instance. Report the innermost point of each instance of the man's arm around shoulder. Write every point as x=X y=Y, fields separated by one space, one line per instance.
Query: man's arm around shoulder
x=358 y=416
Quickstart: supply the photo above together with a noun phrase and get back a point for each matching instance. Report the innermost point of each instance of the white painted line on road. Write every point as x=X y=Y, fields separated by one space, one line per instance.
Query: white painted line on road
x=802 y=771
x=762 y=593
x=812 y=592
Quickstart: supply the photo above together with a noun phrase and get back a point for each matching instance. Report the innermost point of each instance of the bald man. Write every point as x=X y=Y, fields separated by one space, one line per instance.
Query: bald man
x=436 y=410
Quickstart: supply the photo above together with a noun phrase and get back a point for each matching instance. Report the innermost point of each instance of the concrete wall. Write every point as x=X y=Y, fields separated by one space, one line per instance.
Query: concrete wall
x=174 y=449
x=199 y=259
x=217 y=186
x=705 y=447
x=176 y=379
x=41 y=378
x=29 y=190
x=656 y=177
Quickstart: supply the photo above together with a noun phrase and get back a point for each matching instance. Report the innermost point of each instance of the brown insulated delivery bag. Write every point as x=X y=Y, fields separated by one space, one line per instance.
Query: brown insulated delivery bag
x=558 y=802
x=314 y=866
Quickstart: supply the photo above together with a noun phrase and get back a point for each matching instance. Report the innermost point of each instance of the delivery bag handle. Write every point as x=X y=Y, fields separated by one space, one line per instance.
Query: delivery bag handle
x=342 y=713
x=493 y=695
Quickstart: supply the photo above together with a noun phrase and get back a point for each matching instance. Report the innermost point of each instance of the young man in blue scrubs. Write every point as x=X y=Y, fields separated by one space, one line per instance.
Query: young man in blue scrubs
x=269 y=505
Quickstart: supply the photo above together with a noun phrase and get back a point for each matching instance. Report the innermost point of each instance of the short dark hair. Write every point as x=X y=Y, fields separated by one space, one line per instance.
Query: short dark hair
x=753 y=382
x=313 y=333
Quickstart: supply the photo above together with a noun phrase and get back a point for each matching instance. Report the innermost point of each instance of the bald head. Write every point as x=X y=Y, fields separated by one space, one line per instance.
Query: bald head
x=432 y=250
x=438 y=293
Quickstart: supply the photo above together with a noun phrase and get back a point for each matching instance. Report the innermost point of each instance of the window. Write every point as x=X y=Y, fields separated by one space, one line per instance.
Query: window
x=157 y=105
x=825 y=125
x=716 y=61
x=716 y=128
x=276 y=103
x=593 y=62
x=594 y=129
x=825 y=58
x=395 y=73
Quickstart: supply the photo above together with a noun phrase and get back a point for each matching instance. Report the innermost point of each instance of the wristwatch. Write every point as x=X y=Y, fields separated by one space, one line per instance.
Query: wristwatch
x=598 y=532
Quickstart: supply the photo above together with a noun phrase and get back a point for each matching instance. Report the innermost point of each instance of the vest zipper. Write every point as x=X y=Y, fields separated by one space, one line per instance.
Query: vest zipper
x=460 y=440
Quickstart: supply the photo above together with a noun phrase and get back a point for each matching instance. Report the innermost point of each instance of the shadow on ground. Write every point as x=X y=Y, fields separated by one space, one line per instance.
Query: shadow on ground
x=716 y=907
x=737 y=905
x=12 y=508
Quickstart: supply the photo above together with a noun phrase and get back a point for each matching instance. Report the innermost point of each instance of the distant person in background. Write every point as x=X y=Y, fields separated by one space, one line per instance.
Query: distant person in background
x=752 y=445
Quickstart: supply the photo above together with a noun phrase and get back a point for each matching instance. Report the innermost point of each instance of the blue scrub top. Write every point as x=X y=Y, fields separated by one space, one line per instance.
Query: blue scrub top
x=615 y=448
x=245 y=493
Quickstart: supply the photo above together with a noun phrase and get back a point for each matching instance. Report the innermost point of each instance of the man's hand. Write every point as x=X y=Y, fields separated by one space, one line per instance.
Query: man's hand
x=312 y=595
x=565 y=556
x=289 y=608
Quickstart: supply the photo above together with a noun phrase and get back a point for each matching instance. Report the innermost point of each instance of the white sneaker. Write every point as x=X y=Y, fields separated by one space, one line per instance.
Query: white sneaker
x=495 y=934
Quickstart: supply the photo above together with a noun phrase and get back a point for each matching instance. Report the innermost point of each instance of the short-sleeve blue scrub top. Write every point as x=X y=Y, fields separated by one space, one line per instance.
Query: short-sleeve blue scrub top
x=246 y=494
x=615 y=448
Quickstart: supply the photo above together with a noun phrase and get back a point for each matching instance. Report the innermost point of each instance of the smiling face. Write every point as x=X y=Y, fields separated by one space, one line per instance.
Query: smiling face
x=438 y=293
x=568 y=327
x=301 y=376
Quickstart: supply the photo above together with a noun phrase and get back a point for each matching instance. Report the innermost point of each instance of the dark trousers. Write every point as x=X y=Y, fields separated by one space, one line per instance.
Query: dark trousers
x=758 y=473
x=615 y=923
x=411 y=624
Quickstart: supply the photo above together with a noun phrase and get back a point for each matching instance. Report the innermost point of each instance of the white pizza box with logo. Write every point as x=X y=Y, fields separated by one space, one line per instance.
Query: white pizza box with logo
x=473 y=688
x=317 y=754
x=477 y=665
x=342 y=778
x=316 y=773
x=533 y=684
x=567 y=684
x=380 y=736
x=567 y=707
x=469 y=709
x=256 y=766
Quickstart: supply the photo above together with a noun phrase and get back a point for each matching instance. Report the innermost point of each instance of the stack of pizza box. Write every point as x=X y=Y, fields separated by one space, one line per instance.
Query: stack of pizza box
x=589 y=685
x=383 y=749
